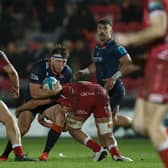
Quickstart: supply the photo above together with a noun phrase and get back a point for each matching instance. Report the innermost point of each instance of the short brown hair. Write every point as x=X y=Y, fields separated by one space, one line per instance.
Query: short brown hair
x=60 y=49
x=105 y=21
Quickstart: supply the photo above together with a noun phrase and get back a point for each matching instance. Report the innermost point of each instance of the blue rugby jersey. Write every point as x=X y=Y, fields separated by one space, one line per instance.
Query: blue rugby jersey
x=106 y=59
x=41 y=70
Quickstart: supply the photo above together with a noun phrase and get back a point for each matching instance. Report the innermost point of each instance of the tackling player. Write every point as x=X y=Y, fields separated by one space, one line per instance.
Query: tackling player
x=80 y=100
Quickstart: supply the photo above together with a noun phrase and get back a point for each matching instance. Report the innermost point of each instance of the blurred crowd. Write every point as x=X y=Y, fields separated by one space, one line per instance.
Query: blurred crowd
x=30 y=28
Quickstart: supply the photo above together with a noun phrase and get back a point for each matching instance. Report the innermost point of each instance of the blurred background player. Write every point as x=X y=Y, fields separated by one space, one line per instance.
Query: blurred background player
x=110 y=62
x=54 y=66
x=5 y=115
x=152 y=102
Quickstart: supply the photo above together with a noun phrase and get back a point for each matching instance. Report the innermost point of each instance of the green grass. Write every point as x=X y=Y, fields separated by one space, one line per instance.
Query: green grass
x=78 y=156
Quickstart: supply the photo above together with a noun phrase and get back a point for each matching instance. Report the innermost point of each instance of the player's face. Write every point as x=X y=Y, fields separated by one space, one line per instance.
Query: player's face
x=57 y=65
x=104 y=32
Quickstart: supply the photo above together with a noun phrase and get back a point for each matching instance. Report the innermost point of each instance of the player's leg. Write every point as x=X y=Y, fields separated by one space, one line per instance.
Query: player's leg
x=104 y=127
x=57 y=117
x=139 y=122
x=116 y=97
x=74 y=128
x=122 y=120
x=13 y=132
x=24 y=122
x=154 y=117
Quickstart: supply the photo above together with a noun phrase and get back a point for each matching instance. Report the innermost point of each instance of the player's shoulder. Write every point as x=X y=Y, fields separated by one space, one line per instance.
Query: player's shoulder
x=2 y=55
x=68 y=69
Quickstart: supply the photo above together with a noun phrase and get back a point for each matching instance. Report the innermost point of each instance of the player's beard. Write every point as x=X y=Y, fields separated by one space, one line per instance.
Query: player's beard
x=102 y=37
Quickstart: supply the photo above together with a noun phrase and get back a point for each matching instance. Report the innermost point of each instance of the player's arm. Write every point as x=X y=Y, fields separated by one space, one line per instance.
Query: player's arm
x=37 y=92
x=86 y=71
x=31 y=104
x=157 y=29
x=14 y=77
x=35 y=83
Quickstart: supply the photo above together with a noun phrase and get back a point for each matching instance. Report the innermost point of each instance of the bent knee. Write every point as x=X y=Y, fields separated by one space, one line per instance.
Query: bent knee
x=139 y=127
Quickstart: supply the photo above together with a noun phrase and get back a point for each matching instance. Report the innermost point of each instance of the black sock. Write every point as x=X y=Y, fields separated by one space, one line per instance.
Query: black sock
x=51 y=140
x=8 y=149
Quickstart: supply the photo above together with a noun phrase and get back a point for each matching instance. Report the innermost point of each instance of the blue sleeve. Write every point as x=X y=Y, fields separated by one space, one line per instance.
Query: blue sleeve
x=120 y=51
x=35 y=76
x=155 y=6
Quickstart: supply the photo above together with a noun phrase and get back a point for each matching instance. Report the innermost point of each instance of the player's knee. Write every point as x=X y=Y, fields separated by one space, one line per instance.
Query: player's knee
x=105 y=127
x=23 y=128
x=139 y=127
x=154 y=130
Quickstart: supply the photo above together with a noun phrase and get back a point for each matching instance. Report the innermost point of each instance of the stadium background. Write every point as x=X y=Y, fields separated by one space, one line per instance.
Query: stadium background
x=28 y=29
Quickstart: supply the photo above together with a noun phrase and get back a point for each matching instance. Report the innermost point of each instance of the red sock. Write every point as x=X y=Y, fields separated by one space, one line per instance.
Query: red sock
x=18 y=150
x=164 y=156
x=114 y=151
x=93 y=145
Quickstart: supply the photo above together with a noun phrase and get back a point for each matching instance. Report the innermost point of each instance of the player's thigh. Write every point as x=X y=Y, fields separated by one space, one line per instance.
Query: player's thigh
x=155 y=113
x=140 y=115
x=5 y=115
x=24 y=121
x=55 y=114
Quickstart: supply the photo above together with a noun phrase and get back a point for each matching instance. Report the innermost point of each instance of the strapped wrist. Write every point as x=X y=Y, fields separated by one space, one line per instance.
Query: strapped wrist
x=117 y=75
x=85 y=71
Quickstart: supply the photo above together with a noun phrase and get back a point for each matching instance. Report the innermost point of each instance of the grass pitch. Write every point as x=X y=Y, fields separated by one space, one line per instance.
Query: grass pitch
x=76 y=155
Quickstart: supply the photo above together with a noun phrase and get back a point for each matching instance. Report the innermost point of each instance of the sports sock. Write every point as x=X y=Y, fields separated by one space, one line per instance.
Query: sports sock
x=92 y=144
x=18 y=150
x=7 y=150
x=163 y=152
x=51 y=140
x=114 y=151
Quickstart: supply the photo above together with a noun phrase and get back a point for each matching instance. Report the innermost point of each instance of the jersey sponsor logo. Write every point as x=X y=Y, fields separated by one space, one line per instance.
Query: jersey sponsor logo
x=81 y=112
x=34 y=76
x=97 y=59
x=87 y=94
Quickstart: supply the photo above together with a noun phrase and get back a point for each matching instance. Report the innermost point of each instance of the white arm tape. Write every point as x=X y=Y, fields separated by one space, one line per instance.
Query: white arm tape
x=85 y=71
x=72 y=123
x=117 y=75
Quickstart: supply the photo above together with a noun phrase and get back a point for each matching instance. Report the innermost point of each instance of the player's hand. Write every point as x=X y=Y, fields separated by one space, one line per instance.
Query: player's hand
x=57 y=88
x=122 y=39
x=15 y=92
x=41 y=120
x=17 y=113
x=109 y=83
x=79 y=74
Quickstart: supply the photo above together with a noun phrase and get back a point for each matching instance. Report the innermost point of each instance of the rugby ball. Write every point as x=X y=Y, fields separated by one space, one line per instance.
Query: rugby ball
x=49 y=83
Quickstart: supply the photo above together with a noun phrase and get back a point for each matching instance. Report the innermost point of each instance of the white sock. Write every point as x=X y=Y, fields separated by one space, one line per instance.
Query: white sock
x=163 y=146
x=86 y=140
x=16 y=145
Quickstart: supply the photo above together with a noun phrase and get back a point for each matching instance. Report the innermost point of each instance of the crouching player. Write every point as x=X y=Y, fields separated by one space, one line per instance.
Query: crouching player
x=80 y=100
